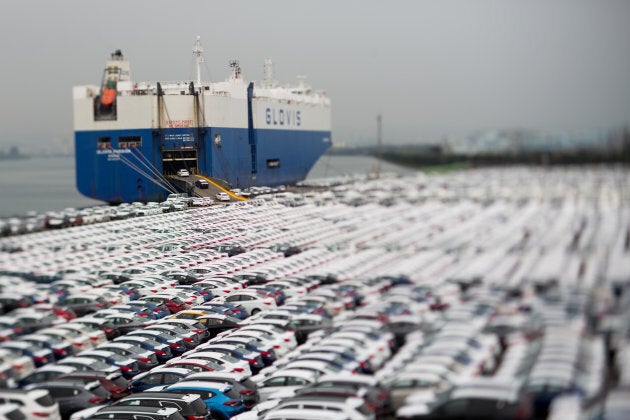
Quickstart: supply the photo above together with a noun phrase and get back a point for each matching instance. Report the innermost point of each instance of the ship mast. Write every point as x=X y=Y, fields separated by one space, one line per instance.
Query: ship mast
x=197 y=50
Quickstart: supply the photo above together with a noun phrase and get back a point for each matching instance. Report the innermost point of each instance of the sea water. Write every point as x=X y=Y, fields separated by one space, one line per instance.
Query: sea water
x=48 y=183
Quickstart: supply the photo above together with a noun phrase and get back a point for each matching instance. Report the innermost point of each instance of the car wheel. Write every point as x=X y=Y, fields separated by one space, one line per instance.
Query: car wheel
x=255 y=311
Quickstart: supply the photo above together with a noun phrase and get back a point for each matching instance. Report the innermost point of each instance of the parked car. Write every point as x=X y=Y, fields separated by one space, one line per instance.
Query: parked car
x=222 y=400
x=45 y=373
x=161 y=350
x=114 y=383
x=60 y=348
x=147 y=359
x=241 y=382
x=191 y=406
x=176 y=344
x=128 y=366
x=74 y=396
x=134 y=413
x=39 y=355
x=158 y=378
x=35 y=403
x=284 y=380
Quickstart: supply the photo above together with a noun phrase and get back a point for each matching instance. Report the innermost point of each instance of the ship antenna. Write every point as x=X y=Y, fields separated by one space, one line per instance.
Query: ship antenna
x=269 y=82
x=197 y=50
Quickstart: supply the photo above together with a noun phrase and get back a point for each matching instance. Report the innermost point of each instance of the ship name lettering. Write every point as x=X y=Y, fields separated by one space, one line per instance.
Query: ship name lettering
x=283 y=117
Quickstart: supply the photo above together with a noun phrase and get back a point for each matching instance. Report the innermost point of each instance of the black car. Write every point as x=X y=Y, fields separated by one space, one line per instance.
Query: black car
x=74 y=396
x=188 y=405
x=202 y=183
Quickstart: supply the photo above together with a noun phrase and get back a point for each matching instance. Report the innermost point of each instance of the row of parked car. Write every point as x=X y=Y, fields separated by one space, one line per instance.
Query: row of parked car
x=428 y=298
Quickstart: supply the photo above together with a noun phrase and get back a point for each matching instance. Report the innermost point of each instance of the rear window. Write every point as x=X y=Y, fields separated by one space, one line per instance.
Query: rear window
x=45 y=400
x=198 y=406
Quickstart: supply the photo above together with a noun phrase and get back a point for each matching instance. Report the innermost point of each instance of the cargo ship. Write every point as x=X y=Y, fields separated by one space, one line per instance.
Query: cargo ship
x=131 y=138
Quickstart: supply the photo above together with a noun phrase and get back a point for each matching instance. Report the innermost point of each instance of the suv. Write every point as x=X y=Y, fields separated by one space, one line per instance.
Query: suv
x=33 y=403
x=137 y=413
x=191 y=406
x=74 y=396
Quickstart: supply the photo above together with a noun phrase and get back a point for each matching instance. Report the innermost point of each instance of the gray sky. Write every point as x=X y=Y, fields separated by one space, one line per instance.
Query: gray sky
x=432 y=68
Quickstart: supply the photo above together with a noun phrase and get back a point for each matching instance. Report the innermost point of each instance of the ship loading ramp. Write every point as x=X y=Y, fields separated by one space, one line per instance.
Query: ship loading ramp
x=188 y=185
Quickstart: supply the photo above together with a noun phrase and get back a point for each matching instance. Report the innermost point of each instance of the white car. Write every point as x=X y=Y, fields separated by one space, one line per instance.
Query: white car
x=250 y=300
x=223 y=196
x=283 y=380
x=183 y=172
x=36 y=403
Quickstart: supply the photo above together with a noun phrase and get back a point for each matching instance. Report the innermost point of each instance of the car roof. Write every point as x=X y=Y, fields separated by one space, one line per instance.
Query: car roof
x=161 y=396
x=222 y=387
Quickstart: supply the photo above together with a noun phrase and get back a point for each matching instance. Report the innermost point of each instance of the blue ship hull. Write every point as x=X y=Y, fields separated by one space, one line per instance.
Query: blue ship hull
x=117 y=172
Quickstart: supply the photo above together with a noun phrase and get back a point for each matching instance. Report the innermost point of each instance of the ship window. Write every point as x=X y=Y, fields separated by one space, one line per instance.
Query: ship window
x=129 y=142
x=273 y=163
x=104 y=142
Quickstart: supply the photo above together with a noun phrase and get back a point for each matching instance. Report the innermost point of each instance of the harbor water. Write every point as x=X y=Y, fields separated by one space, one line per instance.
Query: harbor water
x=48 y=183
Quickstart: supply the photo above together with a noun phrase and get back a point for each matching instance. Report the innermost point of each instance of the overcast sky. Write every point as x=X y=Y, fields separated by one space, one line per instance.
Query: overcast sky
x=431 y=68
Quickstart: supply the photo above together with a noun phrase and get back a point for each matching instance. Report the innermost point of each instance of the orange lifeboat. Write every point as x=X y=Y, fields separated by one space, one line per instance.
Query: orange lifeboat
x=109 y=94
